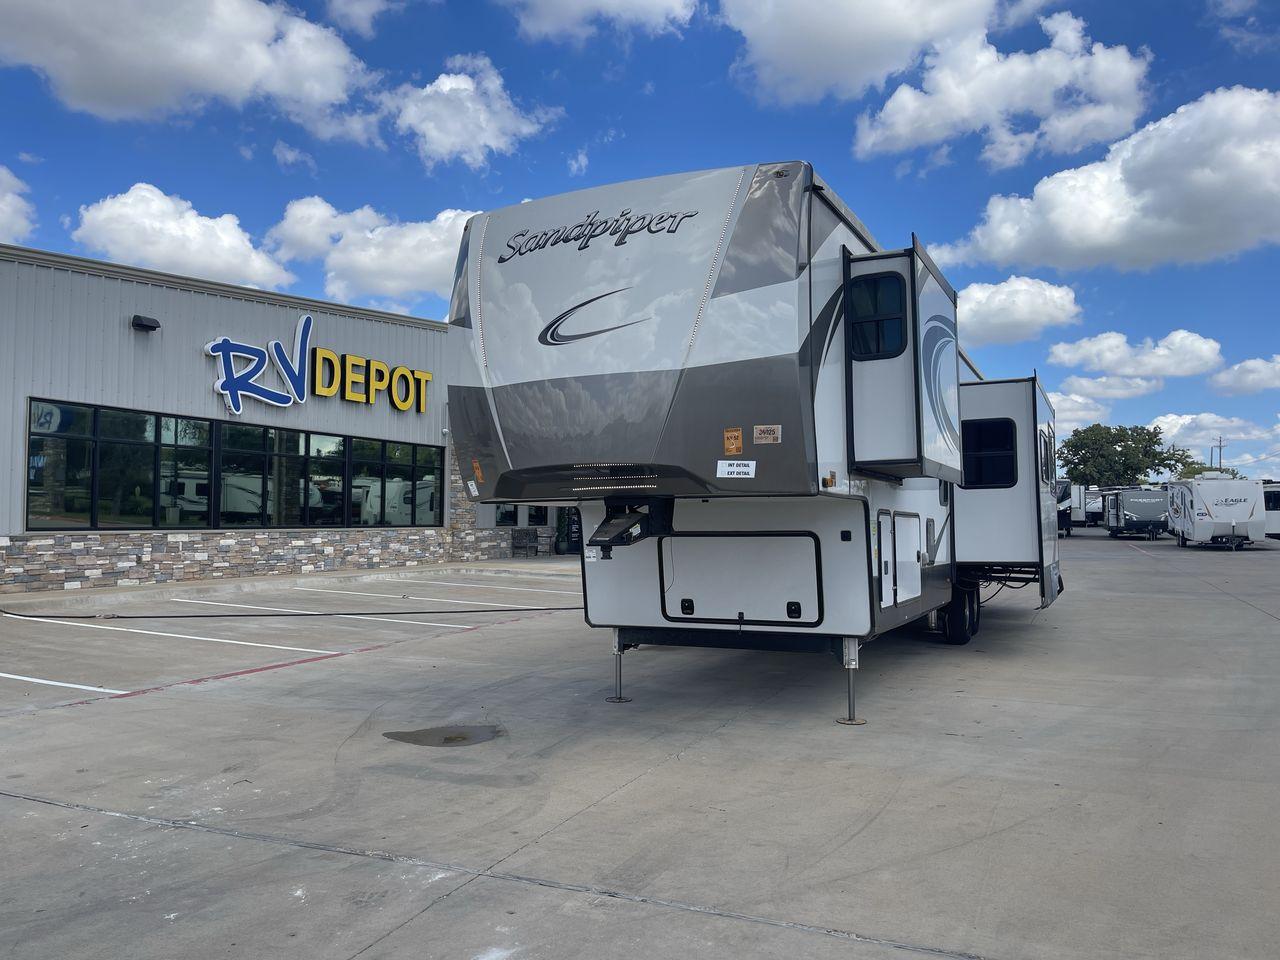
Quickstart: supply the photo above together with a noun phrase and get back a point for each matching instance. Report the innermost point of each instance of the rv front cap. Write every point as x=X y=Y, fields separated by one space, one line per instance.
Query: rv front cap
x=624 y=226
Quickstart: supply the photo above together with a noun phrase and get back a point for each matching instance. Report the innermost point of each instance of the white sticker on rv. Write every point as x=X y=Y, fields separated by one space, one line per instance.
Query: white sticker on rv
x=472 y=488
x=736 y=468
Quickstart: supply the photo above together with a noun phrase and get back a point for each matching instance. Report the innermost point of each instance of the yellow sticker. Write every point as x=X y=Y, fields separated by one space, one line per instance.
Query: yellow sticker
x=732 y=441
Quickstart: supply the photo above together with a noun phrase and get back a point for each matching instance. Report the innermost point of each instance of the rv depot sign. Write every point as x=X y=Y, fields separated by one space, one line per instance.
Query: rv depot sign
x=314 y=370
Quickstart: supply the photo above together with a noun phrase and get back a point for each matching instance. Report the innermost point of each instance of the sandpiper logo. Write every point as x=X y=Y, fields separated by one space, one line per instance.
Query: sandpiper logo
x=623 y=227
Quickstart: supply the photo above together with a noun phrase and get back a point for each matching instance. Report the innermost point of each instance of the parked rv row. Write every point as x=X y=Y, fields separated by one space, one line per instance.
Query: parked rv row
x=1213 y=508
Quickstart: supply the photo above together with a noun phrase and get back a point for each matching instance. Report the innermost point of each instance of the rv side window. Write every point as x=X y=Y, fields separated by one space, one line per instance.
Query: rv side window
x=877 y=316
x=1271 y=500
x=990 y=454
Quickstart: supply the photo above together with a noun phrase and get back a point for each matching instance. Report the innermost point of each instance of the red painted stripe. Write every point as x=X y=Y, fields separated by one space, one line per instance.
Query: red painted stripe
x=243 y=673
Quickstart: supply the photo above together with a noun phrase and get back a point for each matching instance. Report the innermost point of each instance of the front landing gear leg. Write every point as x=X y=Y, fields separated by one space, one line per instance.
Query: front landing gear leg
x=850 y=659
x=618 y=650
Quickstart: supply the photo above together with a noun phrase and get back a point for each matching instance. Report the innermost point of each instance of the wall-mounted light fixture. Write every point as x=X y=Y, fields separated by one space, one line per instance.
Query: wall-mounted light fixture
x=145 y=324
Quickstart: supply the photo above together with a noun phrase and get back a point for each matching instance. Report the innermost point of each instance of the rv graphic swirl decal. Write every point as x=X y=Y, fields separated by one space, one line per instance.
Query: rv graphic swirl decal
x=937 y=347
x=622 y=227
x=552 y=337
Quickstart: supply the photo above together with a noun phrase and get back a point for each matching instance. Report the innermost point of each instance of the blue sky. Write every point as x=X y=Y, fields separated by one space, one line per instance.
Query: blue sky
x=1130 y=264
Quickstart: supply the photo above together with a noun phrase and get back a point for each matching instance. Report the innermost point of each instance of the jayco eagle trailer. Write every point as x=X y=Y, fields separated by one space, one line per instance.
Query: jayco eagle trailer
x=1137 y=513
x=1006 y=513
x=754 y=406
x=1271 y=501
x=1214 y=508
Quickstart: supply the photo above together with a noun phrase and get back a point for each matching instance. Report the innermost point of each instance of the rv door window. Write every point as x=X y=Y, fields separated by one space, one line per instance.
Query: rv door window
x=990 y=454
x=877 y=316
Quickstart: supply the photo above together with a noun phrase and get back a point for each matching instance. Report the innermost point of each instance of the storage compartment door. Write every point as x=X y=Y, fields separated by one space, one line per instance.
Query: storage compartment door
x=758 y=579
x=907 y=552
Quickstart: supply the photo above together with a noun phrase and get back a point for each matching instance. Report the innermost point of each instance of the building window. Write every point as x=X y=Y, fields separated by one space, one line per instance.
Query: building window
x=505 y=515
x=990 y=454
x=537 y=517
x=102 y=468
x=877 y=316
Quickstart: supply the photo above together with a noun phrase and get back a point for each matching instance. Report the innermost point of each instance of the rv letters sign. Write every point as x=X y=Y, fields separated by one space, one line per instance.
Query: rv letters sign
x=308 y=369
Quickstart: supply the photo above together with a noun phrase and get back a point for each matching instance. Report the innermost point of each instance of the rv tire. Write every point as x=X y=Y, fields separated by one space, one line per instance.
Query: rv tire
x=955 y=620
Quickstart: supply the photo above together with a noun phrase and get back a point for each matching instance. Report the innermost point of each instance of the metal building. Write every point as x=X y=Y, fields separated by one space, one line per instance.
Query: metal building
x=171 y=428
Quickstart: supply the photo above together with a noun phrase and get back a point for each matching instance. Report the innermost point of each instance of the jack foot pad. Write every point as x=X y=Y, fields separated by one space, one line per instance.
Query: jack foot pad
x=618 y=700
x=852 y=721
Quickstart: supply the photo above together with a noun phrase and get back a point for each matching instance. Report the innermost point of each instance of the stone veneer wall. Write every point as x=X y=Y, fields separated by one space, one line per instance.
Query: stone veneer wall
x=67 y=560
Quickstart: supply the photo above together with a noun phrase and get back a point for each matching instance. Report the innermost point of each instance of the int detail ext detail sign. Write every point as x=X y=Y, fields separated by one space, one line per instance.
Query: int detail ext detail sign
x=322 y=372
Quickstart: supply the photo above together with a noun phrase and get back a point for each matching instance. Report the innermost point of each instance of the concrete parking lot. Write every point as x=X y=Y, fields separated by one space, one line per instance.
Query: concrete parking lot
x=1094 y=780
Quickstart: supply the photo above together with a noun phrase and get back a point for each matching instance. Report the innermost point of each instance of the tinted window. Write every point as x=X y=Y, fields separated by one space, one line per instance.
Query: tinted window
x=323 y=446
x=239 y=437
x=286 y=491
x=184 y=487
x=1271 y=499
x=877 y=316
x=59 y=473
x=126 y=425
x=990 y=454
x=186 y=433
x=126 y=484
x=505 y=515
x=61 y=418
x=537 y=516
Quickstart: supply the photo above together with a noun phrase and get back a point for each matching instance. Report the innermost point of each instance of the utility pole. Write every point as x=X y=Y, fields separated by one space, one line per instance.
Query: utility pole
x=1222 y=442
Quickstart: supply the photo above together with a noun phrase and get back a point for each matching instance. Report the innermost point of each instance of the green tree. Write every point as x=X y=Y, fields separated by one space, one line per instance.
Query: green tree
x=1196 y=467
x=1118 y=456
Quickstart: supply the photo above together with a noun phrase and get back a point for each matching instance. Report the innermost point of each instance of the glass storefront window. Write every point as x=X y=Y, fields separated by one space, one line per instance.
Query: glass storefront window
x=100 y=467
x=126 y=484
x=537 y=516
x=366 y=494
x=65 y=418
x=325 y=499
x=59 y=473
x=184 y=487
x=184 y=432
x=505 y=515
x=325 y=446
x=287 y=491
x=240 y=489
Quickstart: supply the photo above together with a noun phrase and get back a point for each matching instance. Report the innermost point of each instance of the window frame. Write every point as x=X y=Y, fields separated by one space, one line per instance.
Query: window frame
x=901 y=316
x=1012 y=453
x=420 y=471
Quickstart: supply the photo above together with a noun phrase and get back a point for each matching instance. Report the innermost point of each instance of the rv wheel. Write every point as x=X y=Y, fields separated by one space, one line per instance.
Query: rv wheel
x=975 y=611
x=957 y=625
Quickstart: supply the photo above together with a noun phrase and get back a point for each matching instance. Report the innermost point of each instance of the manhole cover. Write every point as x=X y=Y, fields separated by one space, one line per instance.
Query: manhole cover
x=446 y=736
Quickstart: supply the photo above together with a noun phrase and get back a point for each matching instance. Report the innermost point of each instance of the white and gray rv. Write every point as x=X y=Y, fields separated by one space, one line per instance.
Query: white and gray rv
x=1138 y=512
x=1271 y=502
x=756 y=408
x=1217 y=509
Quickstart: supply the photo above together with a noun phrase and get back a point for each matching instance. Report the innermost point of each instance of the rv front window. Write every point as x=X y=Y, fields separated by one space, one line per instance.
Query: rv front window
x=877 y=316
x=990 y=454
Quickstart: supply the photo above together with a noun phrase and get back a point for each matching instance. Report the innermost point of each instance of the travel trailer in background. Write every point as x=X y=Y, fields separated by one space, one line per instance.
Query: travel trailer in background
x=755 y=407
x=1078 y=518
x=1136 y=513
x=1006 y=512
x=1217 y=509
x=1065 y=522
x=1092 y=507
x=1271 y=502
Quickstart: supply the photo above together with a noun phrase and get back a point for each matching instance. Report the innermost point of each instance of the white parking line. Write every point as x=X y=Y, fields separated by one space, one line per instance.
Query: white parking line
x=59 y=683
x=176 y=636
x=397 y=596
x=343 y=616
x=483 y=586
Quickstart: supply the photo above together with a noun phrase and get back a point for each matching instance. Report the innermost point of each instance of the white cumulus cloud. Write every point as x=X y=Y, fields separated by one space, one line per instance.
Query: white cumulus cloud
x=149 y=58
x=358 y=16
x=1197 y=185
x=367 y=254
x=1112 y=388
x=1202 y=429
x=578 y=19
x=804 y=50
x=1018 y=309
x=17 y=215
x=289 y=156
x=1073 y=411
x=578 y=163
x=146 y=227
x=1059 y=99
x=466 y=114
x=1249 y=376
x=1180 y=353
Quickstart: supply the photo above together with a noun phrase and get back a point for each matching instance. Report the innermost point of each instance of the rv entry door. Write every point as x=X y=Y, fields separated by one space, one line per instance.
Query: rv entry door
x=906 y=552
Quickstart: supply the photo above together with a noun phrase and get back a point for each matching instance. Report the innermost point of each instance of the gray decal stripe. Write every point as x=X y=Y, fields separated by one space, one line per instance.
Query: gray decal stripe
x=823 y=329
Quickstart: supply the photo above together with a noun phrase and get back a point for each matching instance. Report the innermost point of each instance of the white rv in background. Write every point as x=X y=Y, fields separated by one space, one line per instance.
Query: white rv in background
x=1217 y=509
x=1078 y=517
x=1271 y=502
x=1093 y=507
x=755 y=408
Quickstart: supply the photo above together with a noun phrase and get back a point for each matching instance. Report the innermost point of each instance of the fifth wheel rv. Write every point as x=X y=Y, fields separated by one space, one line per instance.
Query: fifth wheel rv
x=1216 y=509
x=755 y=407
